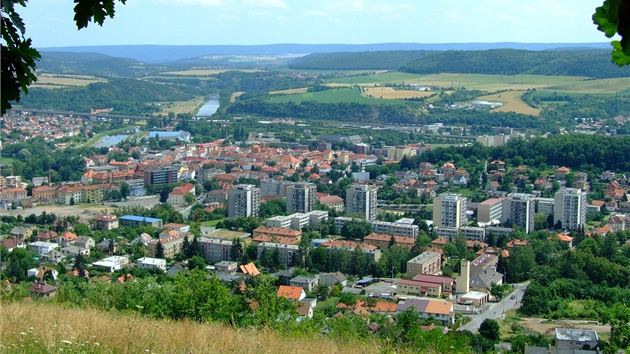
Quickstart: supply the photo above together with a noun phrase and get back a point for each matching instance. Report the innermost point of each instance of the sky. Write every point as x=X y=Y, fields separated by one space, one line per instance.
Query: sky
x=249 y=22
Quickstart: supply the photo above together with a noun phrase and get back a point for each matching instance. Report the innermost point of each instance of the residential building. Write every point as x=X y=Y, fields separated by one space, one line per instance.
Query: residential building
x=489 y=210
x=308 y=283
x=105 y=222
x=382 y=241
x=294 y=293
x=397 y=228
x=576 y=339
x=332 y=279
x=520 y=209
x=439 y=310
x=226 y=267
x=286 y=251
x=368 y=250
x=84 y=242
x=277 y=232
x=41 y=247
x=215 y=250
x=269 y=186
x=112 y=263
x=570 y=208
x=72 y=251
x=134 y=221
x=171 y=241
x=148 y=263
x=301 y=197
x=483 y=262
x=162 y=175
x=332 y=201
x=13 y=242
x=361 y=199
x=449 y=209
x=21 y=232
x=425 y=263
x=545 y=205
x=243 y=200
x=177 y=196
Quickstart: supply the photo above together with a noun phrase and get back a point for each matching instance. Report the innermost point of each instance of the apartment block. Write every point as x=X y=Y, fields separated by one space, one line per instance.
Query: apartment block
x=361 y=199
x=449 y=209
x=243 y=200
x=570 y=208
x=520 y=209
x=301 y=197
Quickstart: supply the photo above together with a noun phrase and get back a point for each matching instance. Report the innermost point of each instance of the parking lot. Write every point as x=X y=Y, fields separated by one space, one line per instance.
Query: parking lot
x=383 y=287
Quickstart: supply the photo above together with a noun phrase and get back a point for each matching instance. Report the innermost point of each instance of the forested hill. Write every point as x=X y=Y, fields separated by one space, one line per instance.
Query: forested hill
x=95 y=64
x=382 y=60
x=589 y=63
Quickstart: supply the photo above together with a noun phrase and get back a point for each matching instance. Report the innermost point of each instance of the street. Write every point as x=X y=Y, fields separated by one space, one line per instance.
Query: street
x=497 y=309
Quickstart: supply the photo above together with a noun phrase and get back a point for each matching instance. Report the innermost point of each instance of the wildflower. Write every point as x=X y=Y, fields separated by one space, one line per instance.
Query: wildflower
x=66 y=341
x=23 y=333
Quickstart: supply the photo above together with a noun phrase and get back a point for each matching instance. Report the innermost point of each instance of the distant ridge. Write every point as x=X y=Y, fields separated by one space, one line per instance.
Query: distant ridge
x=169 y=53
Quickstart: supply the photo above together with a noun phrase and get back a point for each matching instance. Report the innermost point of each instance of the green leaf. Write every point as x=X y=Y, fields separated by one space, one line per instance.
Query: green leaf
x=601 y=19
x=618 y=55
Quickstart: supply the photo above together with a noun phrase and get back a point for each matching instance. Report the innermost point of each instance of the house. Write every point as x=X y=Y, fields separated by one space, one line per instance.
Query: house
x=42 y=290
x=67 y=238
x=108 y=246
x=84 y=242
x=177 y=227
x=42 y=248
x=176 y=268
x=332 y=279
x=561 y=172
x=21 y=232
x=308 y=283
x=295 y=293
x=361 y=307
x=439 y=310
x=483 y=281
x=40 y=272
x=249 y=269
x=576 y=339
x=112 y=263
x=13 y=242
x=382 y=241
x=72 y=251
x=226 y=267
x=305 y=310
x=148 y=262
x=425 y=263
x=426 y=285
x=54 y=256
x=564 y=238
x=46 y=236
x=142 y=239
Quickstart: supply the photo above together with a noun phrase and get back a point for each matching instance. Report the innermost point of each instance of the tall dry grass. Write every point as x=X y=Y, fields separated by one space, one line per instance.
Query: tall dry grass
x=45 y=328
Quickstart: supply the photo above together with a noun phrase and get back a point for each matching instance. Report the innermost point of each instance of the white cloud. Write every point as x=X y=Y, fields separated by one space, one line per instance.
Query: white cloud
x=192 y=2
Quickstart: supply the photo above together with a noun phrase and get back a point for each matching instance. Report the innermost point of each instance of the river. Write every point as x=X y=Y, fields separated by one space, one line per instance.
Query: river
x=209 y=108
x=111 y=140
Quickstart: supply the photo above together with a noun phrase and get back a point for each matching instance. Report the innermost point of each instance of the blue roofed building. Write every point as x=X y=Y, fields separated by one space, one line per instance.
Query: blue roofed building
x=135 y=221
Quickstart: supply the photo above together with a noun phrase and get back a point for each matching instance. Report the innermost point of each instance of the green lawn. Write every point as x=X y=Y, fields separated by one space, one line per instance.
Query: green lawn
x=331 y=302
x=212 y=223
x=6 y=160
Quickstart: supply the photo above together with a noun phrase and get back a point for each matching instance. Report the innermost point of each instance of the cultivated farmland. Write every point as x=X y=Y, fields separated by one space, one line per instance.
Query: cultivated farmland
x=511 y=102
x=388 y=93
x=61 y=80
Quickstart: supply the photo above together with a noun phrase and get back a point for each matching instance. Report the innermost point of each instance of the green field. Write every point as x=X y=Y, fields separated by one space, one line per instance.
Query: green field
x=6 y=160
x=338 y=95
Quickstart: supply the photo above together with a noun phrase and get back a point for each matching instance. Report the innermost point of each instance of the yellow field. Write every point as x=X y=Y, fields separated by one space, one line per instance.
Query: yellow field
x=511 y=102
x=182 y=106
x=388 y=93
x=204 y=72
x=40 y=328
x=235 y=95
x=494 y=82
x=337 y=84
x=60 y=80
x=290 y=91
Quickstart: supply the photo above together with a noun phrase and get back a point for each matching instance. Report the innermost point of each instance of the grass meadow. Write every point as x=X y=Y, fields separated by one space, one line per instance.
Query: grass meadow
x=511 y=102
x=61 y=80
x=29 y=327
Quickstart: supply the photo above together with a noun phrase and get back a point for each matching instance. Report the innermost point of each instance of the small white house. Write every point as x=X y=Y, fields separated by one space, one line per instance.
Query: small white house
x=113 y=263
x=148 y=262
x=41 y=247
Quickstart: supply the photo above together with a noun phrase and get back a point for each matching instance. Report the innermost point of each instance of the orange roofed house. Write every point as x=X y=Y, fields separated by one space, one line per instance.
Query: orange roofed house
x=295 y=293
x=176 y=197
x=440 y=310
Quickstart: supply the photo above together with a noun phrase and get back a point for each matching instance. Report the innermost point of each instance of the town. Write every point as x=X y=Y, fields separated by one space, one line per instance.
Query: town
x=342 y=226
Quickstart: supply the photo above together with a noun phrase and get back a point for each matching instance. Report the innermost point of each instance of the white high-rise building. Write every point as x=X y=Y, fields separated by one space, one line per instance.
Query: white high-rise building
x=570 y=208
x=301 y=197
x=243 y=200
x=361 y=199
x=520 y=209
x=449 y=209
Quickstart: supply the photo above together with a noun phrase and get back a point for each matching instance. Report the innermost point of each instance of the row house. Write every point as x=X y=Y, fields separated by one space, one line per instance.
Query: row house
x=95 y=193
x=12 y=193
x=171 y=241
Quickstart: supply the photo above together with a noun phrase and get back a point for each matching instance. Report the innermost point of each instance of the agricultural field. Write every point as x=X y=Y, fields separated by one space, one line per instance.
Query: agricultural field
x=203 y=72
x=60 y=80
x=289 y=91
x=235 y=95
x=576 y=84
x=511 y=102
x=388 y=93
x=177 y=107
x=342 y=94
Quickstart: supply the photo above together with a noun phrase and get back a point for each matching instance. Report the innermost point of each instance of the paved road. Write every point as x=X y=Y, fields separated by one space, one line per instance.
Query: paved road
x=497 y=309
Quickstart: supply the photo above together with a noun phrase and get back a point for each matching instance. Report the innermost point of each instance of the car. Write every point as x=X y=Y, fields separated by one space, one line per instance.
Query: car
x=513 y=297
